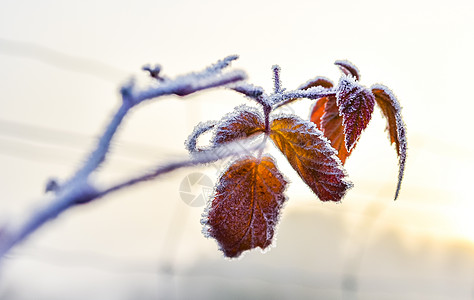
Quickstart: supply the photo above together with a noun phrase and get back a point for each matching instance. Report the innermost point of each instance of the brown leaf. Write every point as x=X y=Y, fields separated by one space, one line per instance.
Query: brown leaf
x=246 y=205
x=311 y=155
x=391 y=109
x=348 y=68
x=356 y=104
x=239 y=124
x=325 y=114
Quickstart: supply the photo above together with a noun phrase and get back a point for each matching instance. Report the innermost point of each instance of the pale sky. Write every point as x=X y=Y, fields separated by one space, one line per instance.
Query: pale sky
x=62 y=63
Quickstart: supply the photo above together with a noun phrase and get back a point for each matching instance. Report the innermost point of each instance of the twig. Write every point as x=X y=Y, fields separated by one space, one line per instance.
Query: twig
x=276 y=79
x=79 y=190
x=285 y=98
x=197 y=158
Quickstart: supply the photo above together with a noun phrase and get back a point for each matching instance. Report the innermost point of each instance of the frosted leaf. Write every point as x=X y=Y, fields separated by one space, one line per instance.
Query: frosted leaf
x=348 y=68
x=246 y=206
x=243 y=122
x=356 y=104
x=311 y=155
x=191 y=141
x=325 y=114
x=396 y=127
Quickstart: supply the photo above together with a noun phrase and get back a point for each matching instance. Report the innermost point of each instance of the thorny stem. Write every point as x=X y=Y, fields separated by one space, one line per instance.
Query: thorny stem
x=77 y=190
x=276 y=79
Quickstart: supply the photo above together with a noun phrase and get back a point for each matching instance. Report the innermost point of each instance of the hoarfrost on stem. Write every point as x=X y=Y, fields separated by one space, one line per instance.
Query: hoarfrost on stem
x=78 y=189
x=191 y=142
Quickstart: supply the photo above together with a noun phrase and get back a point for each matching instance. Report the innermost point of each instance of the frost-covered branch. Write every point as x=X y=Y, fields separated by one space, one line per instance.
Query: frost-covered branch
x=285 y=98
x=132 y=96
x=221 y=64
x=248 y=89
x=185 y=85
x=79 y=189
x=98 y=155
x=197 y=158
x=203 y=127
x=276 y=79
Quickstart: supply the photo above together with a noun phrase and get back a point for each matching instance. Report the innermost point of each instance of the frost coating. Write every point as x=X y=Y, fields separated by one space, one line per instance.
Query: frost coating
x=243 y=122
x=276 y=79
x=79 y=186
x=240 y=216
x=310 y=93
x=221 y=64
x=356 y=104
x=311 y=155
x=246 y=205
x=248 y=89
x=189 y=83
x=396 y=127
x=191 y=141
x=325 y=114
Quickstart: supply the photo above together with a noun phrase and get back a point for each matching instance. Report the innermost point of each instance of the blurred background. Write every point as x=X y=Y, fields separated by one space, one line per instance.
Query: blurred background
x=63 y=62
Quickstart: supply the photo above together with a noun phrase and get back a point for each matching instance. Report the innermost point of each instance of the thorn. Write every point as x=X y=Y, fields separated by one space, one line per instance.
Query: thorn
x=52 y=185
x=153 y=71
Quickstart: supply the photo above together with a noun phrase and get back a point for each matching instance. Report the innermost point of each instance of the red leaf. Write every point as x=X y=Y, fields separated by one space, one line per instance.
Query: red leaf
x=391 y=109
x=246 y=205
x=325 y=114
x=317 y=112
x=348 y=68
x=311 y=155
x=356 y=104
x=318 y=81
x=241 y=123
